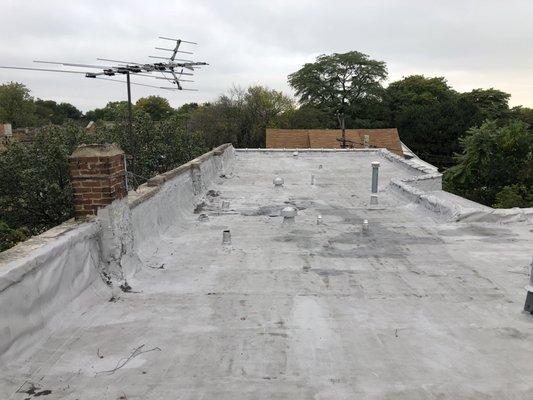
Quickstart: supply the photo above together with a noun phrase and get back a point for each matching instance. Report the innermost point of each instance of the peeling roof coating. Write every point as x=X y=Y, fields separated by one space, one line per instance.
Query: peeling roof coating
x=327 y=138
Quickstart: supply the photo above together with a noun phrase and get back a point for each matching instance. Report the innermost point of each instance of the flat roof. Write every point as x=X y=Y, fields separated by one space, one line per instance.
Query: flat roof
x=417 y=308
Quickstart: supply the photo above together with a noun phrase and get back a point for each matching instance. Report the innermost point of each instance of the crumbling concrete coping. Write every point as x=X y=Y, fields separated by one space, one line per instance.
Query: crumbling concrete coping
x=153 y=185
x=42 y=275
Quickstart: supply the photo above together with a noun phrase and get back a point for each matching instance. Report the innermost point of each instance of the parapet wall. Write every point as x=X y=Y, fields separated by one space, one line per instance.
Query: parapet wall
x=41 y=276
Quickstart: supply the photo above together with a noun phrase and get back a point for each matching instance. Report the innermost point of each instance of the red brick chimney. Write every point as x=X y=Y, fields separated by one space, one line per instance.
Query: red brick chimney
x=97 y=175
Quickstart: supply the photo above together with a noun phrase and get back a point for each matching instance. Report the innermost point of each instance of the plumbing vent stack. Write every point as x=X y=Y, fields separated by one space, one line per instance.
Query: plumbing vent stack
x=319 y=220
x=365 y=226
x=312 y=179
x=373 y=199
x=375 y=172
x=289 y=214
x=528 y=307
x=278 y=182
x=225 y=204
x=320 y=166
x=226 y=237
x=295 y=154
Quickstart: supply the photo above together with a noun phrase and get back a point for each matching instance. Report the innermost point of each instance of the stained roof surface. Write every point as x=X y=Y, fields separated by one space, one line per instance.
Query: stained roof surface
x=417 y=308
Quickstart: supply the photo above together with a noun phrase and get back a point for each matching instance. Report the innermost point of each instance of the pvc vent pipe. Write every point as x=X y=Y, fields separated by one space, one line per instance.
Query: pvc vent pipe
x=312 y=179
x=365 y=226
x=375 y=172
x=319 y=220
x=278 y=182
x=295 y=154
x=528 y=307
x=226 y=237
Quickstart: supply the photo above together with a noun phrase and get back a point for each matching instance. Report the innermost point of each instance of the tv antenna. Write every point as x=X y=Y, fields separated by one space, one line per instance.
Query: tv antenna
x=170 y=69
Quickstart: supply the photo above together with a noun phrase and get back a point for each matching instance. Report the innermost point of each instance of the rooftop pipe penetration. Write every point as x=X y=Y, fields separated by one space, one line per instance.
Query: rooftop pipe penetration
x=375 y=176
x=364 y=227
x=289 y=214
x=226 y=237
x=295 y=154
x=225 y=204
x=528 y=307
x=278 y=182
x=312 y=179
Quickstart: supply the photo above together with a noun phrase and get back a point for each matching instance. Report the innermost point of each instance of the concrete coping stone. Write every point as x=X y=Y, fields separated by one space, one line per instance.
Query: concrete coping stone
x=96 y=150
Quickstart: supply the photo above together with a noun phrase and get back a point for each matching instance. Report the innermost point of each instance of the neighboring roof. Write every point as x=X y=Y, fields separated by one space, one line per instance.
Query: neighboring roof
x=387 y=138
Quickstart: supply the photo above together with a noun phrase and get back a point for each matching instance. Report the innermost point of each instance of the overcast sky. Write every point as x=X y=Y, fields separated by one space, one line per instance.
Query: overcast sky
x=473 y=43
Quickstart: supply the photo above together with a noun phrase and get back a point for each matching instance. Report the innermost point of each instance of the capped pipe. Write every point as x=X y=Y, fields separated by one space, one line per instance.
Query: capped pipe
x=295 y=154
x=226 y=237
x=528 y=307
x=375 y=172
x=319 y=220
x=225 y=204
x=289 y=214
x=312 y=179
x=364 y=227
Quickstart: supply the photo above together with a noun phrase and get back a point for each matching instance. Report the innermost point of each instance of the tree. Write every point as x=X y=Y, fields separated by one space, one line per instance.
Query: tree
x=48 y=111
x=113 y=111
x=339 y=82
x=430 y=117
x=156 y=107
x=491 y=104
x=241 y=116
x=16 y=105
x=35 y=189
x=495 y=166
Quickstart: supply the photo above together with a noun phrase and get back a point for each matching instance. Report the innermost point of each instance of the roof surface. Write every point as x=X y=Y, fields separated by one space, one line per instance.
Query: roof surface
x=328 y=138
x=417 y=308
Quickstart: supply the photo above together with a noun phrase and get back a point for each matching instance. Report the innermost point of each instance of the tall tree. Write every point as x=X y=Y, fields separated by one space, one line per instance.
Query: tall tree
x=339 y=82
x=495 y=166
x=16 y=105
x=430 y=117
x=156 y=107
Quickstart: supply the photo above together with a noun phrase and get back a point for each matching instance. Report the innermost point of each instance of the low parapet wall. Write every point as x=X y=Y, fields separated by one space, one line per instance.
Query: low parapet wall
x=41 y=276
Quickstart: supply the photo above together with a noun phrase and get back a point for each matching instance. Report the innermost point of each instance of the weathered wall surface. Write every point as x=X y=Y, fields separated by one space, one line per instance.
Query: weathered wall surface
x=40 y=277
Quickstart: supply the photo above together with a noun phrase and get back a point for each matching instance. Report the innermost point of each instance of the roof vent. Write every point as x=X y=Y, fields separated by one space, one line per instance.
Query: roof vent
x=278 y=182
x=225 y=204
x=226 y=237
x=288 y=214
x=364 y=227
x=528 y=307
x=295 y=154
x=312 y=179
x=373 y=199
x=203 y=218
x=319 y=220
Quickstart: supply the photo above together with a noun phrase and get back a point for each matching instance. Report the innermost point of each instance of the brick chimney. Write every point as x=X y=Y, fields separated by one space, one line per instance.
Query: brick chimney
x=97 y=174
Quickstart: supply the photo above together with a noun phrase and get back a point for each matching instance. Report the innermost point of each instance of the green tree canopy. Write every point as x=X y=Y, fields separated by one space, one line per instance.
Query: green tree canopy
x=156 y=107
x=495 y=166
x=339 y=82
x=16 y=105
x=430 y=117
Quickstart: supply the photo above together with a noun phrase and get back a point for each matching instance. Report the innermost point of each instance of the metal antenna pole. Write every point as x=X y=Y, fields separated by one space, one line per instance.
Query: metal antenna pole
x=130 y=124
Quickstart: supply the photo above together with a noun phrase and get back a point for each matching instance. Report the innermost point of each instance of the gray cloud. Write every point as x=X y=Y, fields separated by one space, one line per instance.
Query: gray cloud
x=474 y=43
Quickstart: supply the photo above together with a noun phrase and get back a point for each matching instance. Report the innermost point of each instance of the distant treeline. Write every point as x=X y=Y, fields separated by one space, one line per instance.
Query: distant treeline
x=484 y=147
